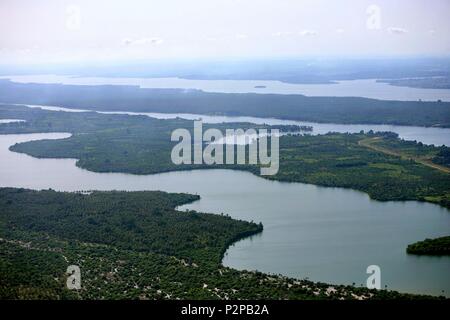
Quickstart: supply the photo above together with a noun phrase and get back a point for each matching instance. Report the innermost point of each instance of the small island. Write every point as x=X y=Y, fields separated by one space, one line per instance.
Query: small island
x=260 y=87
x=433 y=247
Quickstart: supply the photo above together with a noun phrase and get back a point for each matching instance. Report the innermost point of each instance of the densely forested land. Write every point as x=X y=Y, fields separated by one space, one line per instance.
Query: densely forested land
x=429 y=83
x=339 y=160
x=294 y=107
x=134 y=245
x=111 y=143
x=141 y=145
x=442 y=157
x=432 y=247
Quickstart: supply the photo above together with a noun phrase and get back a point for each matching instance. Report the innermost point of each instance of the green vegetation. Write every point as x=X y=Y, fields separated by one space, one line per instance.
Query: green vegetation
x=428 y=83
x=109 y=143
x=340 y=160
x=292 y=107
x=442 y=157
x=141 y=145
x=432 y=247
x=134 y=245
x=415 y=150
x=429 y=156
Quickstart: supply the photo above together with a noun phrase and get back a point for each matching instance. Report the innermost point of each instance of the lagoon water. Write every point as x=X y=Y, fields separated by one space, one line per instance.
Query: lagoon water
x=368 y=88
x=426 y=135
x=325 y=234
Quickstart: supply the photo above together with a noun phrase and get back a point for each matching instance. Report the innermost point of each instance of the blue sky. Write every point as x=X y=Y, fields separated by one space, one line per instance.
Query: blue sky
x=81 y=30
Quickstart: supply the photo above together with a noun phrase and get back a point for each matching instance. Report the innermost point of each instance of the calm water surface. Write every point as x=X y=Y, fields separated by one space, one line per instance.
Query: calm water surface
x=436 y=136
x=326 y=234
x=350 y=88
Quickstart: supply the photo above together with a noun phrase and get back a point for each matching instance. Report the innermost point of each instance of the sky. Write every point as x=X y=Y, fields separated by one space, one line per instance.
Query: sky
x=41 y=31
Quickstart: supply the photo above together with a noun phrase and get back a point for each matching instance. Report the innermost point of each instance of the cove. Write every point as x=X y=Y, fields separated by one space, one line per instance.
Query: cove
x=325 y=234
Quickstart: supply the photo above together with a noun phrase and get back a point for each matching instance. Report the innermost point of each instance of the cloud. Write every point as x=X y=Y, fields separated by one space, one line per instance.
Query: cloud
x=142 y=41
x=396 y=30
x=282 y=34
x=241 y=36
x=308 y=33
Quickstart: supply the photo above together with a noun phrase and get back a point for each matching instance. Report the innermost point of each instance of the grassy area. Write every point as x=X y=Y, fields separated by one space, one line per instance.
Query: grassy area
x=434 y=157
x=340 y=160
